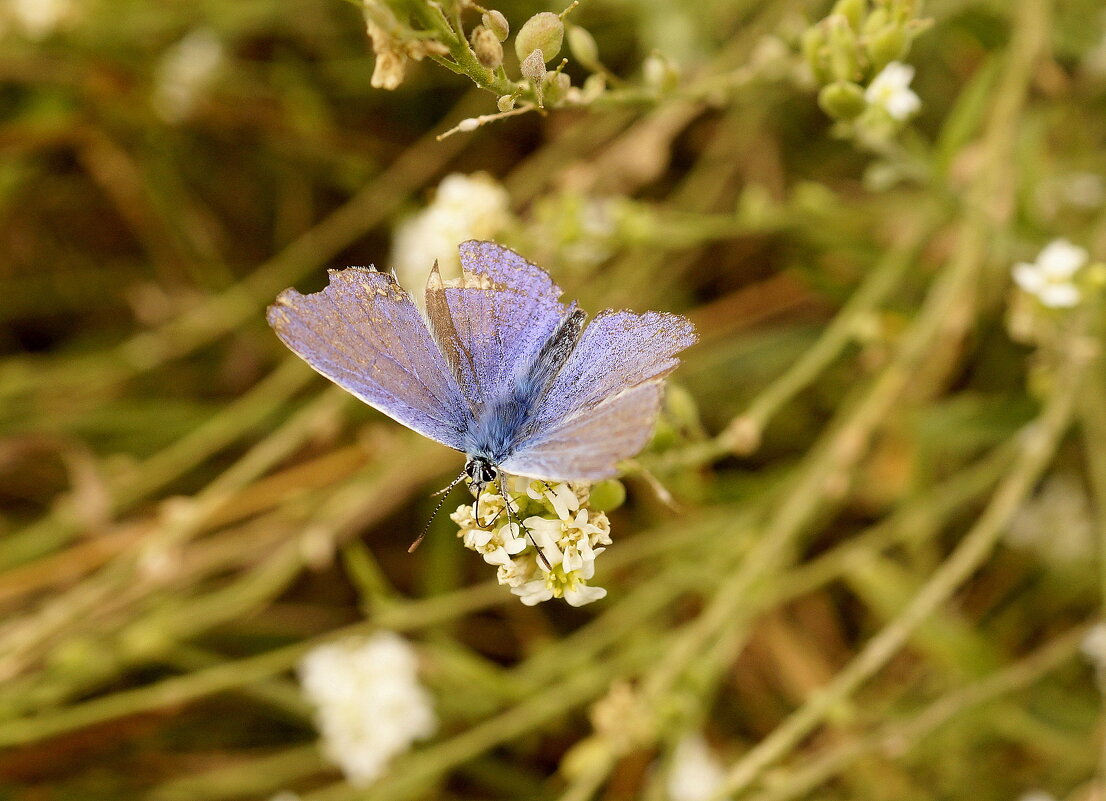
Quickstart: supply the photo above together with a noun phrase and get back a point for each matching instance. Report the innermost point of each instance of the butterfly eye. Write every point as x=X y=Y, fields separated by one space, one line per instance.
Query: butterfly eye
x=487 y=473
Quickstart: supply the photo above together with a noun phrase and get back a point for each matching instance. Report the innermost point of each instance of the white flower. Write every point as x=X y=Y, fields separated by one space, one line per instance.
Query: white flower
x=1051 y=277
x=464 y=207
x=1036 y=795
x=695 y=774
x=569 y=535
x=369 y=704
x=39 y=18
x=184 y=73
x=497 y=547
x=1093 y=646
x=890 y=90
x=1057 y=522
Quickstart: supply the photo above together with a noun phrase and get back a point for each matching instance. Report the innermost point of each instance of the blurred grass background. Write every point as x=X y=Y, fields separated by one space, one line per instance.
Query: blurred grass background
x=837 y=598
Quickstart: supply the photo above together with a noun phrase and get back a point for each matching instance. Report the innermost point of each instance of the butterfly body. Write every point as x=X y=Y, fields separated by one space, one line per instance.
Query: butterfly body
x=498 y=368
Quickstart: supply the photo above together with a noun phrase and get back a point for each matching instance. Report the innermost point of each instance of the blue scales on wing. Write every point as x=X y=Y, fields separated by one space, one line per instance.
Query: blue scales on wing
x=601 y=405
x=364 y=334
x=498 y=328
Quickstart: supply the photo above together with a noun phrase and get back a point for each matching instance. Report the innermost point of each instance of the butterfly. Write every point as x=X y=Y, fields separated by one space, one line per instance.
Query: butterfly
x=498 y=368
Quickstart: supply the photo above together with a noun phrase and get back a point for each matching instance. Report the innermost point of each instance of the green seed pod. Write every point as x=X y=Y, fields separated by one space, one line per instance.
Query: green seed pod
x=543 y=32
x=505 y=103
x=842 y=100
x=489 y=51
x=582 y=45
x=497 y=24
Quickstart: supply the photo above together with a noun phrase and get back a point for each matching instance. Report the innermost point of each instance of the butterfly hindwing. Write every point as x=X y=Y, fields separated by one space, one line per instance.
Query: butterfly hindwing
x=600 y=407
x=364 y=334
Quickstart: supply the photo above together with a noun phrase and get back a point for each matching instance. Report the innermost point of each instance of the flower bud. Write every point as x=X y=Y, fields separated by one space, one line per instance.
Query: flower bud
x=852 y=10
x=489 y=51
x=543 y=32
x=505 y=103
x=555 y=85
x=582 y=45
x=607 y=495
x=886 y=46
x=843 y=49
x=842 y=100
x=497 y=24
x=813 y=45
x=660 y=73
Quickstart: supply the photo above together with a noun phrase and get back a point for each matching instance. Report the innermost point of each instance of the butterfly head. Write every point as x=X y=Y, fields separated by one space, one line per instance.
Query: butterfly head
x=481 y=473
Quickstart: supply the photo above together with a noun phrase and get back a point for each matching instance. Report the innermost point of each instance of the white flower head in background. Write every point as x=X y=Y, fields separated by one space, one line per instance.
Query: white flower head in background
x=464 y=207
x=1057 y=522
x=185 y=72
x=695 y=773
x=369 y=704
x=890 y=90
x=1036 y=795
x=1051 y=279
x=1093 y=648
x=36 y=19
x=557 y=516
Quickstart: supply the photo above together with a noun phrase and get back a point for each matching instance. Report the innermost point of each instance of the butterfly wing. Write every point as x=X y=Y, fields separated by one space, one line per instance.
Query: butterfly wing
x=491 y=323
x=364 y=334
x=601 y=406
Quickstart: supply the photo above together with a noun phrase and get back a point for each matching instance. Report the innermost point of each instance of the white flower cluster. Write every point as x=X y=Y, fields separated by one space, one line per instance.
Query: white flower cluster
x=35 y=19
x=695 y=774
x=465 y=207
x=1093 y=648
x=185 y=72
x=1052 y=278
x=569 y=534
x=369 y=704
x=1057 y=523
x=890 y=90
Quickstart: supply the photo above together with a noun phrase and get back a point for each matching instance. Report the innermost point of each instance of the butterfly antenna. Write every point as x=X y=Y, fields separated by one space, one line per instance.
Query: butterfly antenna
x=521 y=525
x=444 y=492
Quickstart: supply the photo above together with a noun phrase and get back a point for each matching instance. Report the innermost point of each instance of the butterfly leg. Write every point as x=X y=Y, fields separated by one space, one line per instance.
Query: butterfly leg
x=521 y=525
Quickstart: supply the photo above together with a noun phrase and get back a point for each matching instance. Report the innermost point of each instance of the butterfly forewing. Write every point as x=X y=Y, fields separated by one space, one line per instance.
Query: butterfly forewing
x=364 y=334
x=493 y=321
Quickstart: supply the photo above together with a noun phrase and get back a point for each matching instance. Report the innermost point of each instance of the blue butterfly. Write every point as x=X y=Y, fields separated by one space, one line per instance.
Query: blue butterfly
x=499 y=369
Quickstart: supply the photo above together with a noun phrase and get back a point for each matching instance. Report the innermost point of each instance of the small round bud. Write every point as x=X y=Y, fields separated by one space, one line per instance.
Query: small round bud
x=582 y=45
x=497 y=24
x=607 y=495
x=555 y=85
x=543 y=32
x=489 y=51
x=505 y=103
x=469 y=124
x=842 y=100
x=660 y=73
